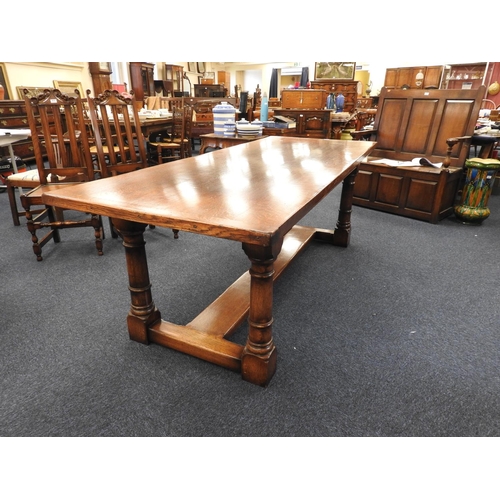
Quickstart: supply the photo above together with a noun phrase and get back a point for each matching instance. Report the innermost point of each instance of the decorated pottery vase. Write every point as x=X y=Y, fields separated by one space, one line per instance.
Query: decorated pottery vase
x=223 y=112
x=229 y=128
x=480 y=176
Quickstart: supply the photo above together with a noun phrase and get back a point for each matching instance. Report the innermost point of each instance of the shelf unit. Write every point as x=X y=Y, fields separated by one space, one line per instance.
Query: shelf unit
x=465 y=76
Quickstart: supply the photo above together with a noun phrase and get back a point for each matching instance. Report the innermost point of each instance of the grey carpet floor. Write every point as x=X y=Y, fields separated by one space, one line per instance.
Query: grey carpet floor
x=396 y=335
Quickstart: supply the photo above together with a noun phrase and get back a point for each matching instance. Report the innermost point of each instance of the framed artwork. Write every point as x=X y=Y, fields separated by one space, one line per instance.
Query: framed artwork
x=5 y=81
x=192 y=67
x=68 y=87
x=32 y=91
x=201 y=67
x=334 y=70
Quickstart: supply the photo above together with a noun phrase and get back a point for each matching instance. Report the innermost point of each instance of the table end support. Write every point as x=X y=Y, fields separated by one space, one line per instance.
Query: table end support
x=143 y=312
x=342 y=233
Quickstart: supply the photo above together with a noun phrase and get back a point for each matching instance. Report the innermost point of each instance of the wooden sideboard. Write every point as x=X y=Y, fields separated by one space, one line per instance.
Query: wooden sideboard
x=13 y=115
x=348 y=88
x=201 y=90
x=314 y=123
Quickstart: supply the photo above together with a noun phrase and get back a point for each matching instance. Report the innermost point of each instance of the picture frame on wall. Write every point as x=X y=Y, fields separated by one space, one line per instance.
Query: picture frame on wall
x=32 y=91
x=68 y=87
x=334 y=70
x=201 y=67
x=192 y=67
x=4 y=80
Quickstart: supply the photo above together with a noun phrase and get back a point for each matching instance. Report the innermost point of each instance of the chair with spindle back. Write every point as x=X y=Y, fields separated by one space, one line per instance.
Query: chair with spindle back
x=62 y=154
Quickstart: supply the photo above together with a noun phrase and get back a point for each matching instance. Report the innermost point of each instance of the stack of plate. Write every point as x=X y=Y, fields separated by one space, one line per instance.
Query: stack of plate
x=248 y=130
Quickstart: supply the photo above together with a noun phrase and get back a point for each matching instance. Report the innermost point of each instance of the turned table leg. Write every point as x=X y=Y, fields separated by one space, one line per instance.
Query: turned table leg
x=143 y=312
x=258 y=362
x=342 y=232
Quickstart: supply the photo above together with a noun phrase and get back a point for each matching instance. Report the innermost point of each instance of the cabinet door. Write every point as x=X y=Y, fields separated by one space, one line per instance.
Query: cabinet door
x=404 y=77
x=391 y=75
x=433 y=76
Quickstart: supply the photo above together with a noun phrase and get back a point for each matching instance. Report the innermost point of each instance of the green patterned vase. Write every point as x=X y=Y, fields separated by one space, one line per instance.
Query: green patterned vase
x=480 y=176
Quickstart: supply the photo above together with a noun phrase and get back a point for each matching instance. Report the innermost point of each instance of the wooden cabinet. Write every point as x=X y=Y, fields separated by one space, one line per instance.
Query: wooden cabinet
x=396 y=78
x=101 y=79
x=348 y=88
x=464 y=76
x=13 y=115
x=142 y=80
x=214 y=90
x=224 y=78
x=173 y=83
x=309 y=122
x=303 y=99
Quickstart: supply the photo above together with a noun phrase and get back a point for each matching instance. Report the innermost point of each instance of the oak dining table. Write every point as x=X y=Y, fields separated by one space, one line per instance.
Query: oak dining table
x=255 y=193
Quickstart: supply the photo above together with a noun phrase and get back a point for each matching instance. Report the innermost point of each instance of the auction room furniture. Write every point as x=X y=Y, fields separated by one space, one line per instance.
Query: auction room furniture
x=101 y=79
x=303 y=99
x=214 y=90
x=216 y=141
x=466 y=76
x=259 y=207
x=119 y=143
x=17 y=180
x=173 y=83
x=60 y=135
x=177 y=143
x=414 y=77
x=314 y=123
x=142 y=81
x=348 y=88
x=413 y=124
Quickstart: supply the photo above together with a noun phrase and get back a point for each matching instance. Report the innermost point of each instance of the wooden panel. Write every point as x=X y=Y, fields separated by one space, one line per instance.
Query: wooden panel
x=419 y=127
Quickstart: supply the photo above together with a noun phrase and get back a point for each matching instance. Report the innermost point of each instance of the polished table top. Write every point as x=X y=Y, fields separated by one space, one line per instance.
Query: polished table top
x=252 y=192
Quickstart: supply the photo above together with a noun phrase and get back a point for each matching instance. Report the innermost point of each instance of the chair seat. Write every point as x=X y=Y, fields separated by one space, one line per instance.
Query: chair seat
x=28 y=176
x=105 y=149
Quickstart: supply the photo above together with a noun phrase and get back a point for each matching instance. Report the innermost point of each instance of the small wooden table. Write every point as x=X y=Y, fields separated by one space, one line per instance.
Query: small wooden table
x=216 y=141
x=275 y=183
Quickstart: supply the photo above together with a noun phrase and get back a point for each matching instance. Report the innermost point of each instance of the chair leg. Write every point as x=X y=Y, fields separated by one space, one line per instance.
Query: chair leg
x=11 y=191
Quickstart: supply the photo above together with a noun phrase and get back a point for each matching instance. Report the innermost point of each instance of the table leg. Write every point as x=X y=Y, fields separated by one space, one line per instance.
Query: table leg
x=343 y=230
x=258 y=361
x=342 y=233
x=143 y=312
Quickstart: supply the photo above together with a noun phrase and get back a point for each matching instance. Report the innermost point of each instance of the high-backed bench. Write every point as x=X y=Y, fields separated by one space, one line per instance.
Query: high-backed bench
x=433 y=124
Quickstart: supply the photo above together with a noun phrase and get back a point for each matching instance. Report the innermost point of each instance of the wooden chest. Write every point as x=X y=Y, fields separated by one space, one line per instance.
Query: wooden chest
x=303 y=99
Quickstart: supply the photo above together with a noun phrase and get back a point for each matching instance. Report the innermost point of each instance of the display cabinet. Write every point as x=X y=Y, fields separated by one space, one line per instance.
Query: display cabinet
x=173 y=82
x=142 y=80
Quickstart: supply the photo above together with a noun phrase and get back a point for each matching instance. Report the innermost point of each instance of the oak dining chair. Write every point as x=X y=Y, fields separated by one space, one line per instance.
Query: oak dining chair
x=62 y=155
